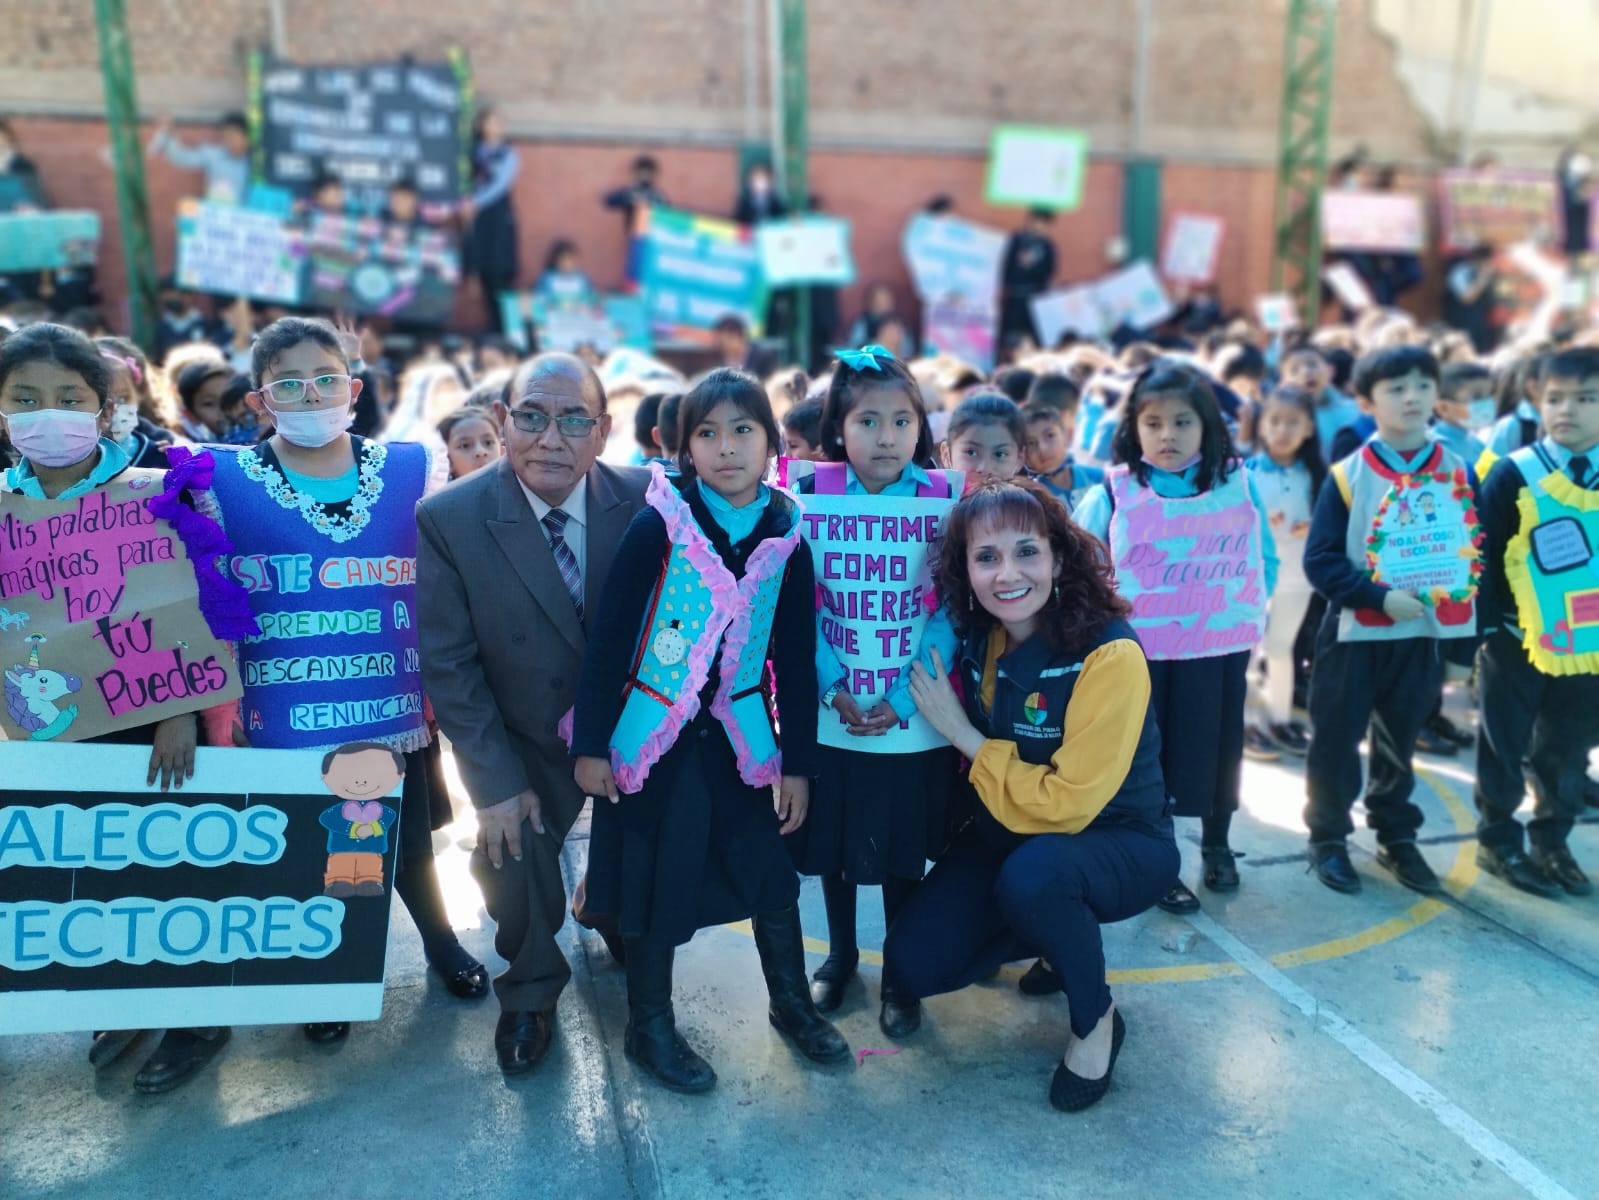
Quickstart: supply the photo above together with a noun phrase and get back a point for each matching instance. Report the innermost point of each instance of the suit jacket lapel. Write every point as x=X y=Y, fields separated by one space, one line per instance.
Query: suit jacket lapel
x=523 y=542
x=608 y=515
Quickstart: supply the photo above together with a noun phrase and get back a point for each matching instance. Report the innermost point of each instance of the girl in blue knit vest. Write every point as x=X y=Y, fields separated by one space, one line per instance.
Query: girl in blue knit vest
x=702 y=650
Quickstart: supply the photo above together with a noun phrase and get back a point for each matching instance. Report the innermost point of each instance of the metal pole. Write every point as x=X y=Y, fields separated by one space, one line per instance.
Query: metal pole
x=1141 y=75
x=122 y=116
x=1479 y=52
x=280 y=29
x=796 y=148
x=774 y=75
x=752 y=67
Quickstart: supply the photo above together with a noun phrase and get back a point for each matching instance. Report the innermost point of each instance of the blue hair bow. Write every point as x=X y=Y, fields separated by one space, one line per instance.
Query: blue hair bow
x=864 y=359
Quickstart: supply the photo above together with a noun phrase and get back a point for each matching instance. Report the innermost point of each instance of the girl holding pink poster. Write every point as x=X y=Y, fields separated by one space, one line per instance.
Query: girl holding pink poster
x=1194 y=554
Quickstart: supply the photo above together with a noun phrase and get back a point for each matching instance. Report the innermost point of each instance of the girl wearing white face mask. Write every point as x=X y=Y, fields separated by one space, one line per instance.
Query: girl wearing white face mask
x=53 y=401
x=324 y=521
x=54 y=385
x=136 y=422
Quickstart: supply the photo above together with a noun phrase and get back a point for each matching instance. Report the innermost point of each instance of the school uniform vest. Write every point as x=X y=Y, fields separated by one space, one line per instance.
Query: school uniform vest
x=697 y=611
x=1432 y=507
x=1552 y=567
x=1031 y=694
x=334 y=591
x=1193 y=567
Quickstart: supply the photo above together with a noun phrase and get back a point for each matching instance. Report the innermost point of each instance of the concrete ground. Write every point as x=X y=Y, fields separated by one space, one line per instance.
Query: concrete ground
x=1287 y=1042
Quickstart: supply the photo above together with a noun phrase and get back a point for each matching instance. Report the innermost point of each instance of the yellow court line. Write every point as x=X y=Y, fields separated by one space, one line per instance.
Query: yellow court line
x=1460 y=877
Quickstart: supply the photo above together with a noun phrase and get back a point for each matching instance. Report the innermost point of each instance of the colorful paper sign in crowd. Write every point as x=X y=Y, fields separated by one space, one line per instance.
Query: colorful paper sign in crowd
x=99 y=625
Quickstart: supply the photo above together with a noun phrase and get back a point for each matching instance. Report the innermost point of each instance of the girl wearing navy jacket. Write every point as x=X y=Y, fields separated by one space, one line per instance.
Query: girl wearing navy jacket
x=673 y=730
x=1072 y=824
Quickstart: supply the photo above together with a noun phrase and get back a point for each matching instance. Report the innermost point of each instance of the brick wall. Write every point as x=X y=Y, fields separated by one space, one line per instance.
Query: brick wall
x=903 y=94
x=883 y=73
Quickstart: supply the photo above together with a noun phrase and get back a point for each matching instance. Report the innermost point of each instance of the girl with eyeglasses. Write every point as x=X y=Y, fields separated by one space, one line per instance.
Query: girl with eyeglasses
x=323 y=521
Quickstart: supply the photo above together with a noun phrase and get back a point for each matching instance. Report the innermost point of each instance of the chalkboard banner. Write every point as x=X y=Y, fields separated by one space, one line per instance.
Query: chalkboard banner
x=369 y=123
x=257 y=895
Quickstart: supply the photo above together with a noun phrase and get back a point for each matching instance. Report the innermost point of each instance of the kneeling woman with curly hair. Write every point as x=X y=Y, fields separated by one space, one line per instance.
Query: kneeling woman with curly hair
x=1072 y=825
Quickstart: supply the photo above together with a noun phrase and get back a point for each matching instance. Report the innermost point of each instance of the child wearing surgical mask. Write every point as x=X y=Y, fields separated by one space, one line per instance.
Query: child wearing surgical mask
x=314 y=493
x=55 y=385
x=1465 y=409
x=134 y=423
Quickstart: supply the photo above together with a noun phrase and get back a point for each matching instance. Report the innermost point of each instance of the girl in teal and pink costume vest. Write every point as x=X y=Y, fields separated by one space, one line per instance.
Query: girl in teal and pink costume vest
x=1194 y=554
x=697 y=700
x=874 y=518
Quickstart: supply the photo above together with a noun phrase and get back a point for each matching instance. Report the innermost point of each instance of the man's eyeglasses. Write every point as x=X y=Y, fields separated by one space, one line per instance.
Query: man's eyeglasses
x=299 y=391
x=531 y=420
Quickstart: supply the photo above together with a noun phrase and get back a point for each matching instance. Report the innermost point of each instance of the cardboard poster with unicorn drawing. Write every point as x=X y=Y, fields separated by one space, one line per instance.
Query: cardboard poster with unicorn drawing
x=101 y=627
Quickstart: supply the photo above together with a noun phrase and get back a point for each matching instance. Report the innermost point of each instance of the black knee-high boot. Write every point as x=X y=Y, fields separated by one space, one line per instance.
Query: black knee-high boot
x=792 y=1012
x=652 y=1039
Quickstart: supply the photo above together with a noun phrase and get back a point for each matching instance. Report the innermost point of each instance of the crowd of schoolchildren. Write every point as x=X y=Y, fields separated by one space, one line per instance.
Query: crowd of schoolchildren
x=1159 y=556
x=1093 y=684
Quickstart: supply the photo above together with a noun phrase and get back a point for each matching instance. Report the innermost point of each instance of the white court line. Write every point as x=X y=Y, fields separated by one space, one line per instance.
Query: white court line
x=1449 y=1114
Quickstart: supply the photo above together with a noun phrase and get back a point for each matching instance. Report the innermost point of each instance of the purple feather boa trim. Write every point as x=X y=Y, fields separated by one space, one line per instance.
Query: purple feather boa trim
x=224 y=604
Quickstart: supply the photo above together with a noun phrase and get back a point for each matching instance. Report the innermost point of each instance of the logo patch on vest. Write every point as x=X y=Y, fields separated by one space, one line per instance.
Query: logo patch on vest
x=1036 y=709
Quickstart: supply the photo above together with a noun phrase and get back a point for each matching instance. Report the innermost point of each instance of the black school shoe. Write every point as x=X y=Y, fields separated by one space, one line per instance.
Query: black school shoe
x=1408 y=865
x=830 y=980
x=1428 y=742
x=1073 y=1093
x=1292 y=737
x=1516 y=869
x=1450 y=732
x=1330 y=861
x=1221 y=869
x=464 y=977
x=1040 y=979
x=110 y=1044
x=1562 y=869
x=181 y=1053
x=1180 y=901
x=1260 y=746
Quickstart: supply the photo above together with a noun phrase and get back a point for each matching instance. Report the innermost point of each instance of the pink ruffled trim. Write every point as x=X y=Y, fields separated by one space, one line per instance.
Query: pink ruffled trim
x=727 y=626
x=770 y=558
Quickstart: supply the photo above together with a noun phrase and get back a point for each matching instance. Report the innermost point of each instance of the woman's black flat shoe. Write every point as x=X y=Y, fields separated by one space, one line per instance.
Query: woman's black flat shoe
x=1221 y=871
x=900 y=1018
x=1040 y=979
x=1073 y=1093
x=1179 y=901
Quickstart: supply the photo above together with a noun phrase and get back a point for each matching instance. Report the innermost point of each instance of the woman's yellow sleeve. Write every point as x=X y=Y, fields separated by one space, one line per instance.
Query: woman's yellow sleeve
x=1104 y=722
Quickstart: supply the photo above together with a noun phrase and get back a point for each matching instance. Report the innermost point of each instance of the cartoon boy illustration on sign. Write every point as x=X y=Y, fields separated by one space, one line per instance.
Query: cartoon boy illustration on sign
x=360 y=774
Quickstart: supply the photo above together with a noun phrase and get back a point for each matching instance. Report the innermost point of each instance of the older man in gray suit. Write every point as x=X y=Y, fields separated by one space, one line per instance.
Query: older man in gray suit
x=510 y=563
